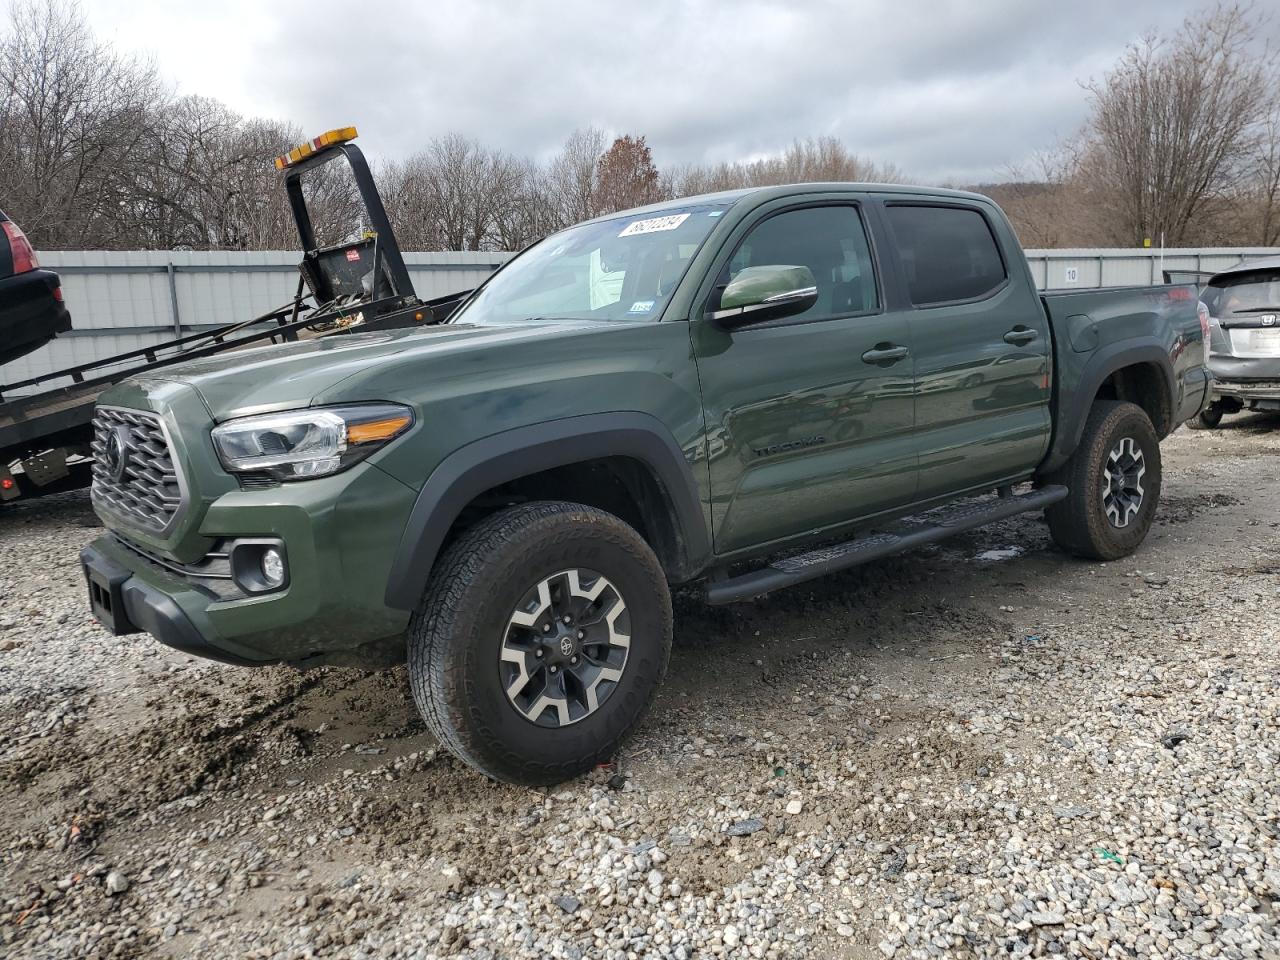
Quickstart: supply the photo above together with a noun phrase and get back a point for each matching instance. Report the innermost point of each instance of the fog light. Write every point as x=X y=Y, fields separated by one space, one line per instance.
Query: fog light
x=272 y=567
x=259 y=564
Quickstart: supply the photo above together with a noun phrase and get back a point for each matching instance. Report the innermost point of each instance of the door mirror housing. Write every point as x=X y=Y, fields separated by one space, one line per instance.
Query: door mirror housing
x=764 y=293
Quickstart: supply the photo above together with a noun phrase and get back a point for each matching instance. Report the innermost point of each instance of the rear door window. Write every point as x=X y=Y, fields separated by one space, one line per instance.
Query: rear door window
x=948 y=253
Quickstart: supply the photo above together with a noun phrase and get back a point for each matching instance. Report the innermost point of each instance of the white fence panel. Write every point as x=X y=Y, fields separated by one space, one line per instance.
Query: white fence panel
x=1124 y=267
x=124 y=300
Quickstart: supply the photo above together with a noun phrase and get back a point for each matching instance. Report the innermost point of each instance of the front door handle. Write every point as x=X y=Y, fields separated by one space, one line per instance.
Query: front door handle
x=886 y=353
x=1020 y=336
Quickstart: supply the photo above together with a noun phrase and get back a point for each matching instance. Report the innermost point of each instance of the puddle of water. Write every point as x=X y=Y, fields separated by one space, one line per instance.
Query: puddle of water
x=1000 y=553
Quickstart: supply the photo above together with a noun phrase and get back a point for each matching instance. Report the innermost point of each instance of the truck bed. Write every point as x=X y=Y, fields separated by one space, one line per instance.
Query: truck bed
x=1095 y=331
x=1088 y=321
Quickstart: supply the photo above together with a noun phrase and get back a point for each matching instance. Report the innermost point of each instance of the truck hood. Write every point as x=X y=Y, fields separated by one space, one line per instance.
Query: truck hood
x=287 y=376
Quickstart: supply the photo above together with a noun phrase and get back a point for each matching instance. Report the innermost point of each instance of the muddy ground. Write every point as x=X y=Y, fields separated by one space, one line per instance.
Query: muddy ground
x=986 y=748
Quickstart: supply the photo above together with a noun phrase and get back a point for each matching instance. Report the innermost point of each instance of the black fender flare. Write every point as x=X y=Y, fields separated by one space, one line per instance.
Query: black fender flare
x=1073 y=411
x=512 y=454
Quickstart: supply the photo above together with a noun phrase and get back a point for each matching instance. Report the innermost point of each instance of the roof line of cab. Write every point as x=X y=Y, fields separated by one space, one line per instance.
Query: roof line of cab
x=729 y=197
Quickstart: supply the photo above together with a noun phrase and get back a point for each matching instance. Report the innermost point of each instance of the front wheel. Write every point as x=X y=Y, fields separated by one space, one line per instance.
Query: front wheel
x=1114 y=483
x=540 y=642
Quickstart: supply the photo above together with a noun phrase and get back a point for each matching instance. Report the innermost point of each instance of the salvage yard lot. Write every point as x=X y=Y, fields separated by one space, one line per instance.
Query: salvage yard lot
x=947 y=755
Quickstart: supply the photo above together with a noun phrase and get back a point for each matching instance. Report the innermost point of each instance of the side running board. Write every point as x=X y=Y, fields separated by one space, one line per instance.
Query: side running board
x=809 y=566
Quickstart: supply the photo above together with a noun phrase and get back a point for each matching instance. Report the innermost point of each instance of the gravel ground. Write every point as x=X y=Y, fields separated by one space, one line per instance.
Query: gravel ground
x=984 y=749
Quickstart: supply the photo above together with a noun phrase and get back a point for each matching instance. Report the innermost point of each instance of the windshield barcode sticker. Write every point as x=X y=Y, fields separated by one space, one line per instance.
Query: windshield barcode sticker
x=654 y=225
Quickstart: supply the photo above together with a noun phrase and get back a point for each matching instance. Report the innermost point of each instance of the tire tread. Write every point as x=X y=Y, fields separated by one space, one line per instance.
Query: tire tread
x=437 y=674
x=1074 y=524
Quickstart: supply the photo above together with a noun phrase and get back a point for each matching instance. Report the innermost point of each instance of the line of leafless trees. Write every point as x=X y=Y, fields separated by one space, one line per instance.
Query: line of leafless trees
x=458 y=195
x=96 y=153
x=1183 y=144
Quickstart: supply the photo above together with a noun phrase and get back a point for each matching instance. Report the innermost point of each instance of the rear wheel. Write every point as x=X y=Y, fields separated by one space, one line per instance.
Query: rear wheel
x=1208 y=419
x=541 y=641
x=1114 y=483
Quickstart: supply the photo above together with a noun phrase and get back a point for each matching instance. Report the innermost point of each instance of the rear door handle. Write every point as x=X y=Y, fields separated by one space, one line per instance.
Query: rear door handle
x=889 y=353
x=1020 y=336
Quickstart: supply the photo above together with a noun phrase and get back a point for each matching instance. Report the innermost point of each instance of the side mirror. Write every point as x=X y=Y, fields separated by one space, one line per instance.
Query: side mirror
x=764 y=293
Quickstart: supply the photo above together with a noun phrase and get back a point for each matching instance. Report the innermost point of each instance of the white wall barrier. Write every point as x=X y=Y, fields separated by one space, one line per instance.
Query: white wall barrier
x=126 y=300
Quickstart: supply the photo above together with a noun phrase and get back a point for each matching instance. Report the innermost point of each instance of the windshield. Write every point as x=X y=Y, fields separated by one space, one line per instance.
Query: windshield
x=621 y=270
x=1246 y=293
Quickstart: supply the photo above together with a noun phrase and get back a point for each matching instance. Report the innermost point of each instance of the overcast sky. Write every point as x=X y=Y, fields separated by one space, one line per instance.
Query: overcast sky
x=949 y=91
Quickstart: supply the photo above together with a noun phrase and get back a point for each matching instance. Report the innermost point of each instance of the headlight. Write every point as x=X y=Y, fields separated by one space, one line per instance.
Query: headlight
x=302 y=444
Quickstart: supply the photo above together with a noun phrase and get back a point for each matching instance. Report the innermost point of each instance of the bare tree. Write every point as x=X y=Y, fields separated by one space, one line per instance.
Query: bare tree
x=74 y=123
x=1262 y=195
x=814 y=160
x=528 y=212
x=407 y=193
x=1173 y=122
x=821 y=159
x=208 y=183
x=571 y=177
x=455 y=168
x=467 y=185
x=1049 y=201
x=458 y=195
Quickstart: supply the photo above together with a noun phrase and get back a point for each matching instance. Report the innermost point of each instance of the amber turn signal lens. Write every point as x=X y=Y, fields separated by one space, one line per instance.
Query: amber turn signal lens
x=377 y=430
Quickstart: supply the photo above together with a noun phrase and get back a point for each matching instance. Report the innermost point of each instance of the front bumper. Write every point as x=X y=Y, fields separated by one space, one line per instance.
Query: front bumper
x=126 y=604
x=340 y=534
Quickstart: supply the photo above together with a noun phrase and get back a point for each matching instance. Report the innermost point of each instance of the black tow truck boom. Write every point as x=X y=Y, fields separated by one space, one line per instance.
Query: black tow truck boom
x=362 y=284
x=362 y=281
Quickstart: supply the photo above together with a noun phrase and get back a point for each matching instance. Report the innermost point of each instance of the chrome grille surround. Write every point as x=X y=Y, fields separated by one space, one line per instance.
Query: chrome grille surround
x=144 y=488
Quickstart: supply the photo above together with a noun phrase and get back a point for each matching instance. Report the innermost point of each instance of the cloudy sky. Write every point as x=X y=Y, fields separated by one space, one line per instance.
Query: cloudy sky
x=949 y=91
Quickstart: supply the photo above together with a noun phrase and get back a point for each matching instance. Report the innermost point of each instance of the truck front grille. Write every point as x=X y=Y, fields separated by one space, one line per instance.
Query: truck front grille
x=134 y=474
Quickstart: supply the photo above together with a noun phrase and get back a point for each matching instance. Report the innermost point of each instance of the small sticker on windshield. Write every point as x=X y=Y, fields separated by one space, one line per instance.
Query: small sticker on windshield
x=715 y=213
x=654 y=224
x=641 y=306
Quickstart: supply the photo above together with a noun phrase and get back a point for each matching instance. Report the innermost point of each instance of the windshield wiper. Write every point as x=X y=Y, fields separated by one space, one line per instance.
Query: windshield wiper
x=1256 y=310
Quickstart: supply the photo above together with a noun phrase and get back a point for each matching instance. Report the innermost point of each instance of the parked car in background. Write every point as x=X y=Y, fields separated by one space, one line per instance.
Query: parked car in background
x=31 y=309
x=1244 y=340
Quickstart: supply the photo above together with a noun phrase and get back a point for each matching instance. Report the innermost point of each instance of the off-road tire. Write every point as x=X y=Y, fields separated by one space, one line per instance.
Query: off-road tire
x=1079 y=523
x=456 y=635
x=1208 y=419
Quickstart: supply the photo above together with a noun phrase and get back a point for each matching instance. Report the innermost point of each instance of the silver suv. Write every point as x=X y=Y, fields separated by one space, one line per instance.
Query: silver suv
x=1244 y=342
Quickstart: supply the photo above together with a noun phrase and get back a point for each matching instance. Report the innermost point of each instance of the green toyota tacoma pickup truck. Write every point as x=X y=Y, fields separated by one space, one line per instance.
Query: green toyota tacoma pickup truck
x=743 y=391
